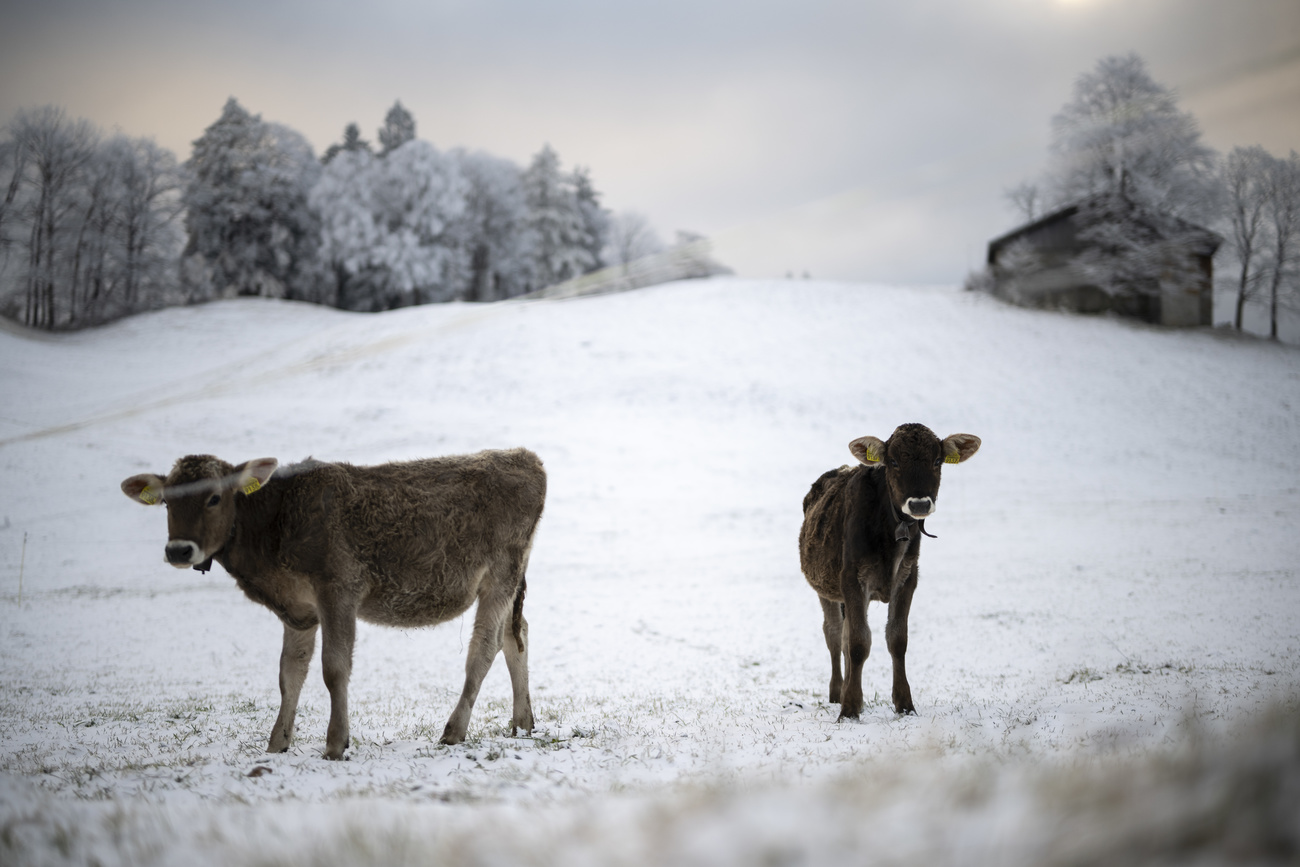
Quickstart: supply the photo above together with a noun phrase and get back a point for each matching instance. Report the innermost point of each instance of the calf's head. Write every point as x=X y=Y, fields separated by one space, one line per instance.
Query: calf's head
x=913 y=458
x=200 y=494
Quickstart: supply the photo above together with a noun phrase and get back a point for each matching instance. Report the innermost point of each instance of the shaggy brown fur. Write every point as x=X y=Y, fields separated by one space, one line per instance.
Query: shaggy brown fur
x=401 y=544
x=860 y=542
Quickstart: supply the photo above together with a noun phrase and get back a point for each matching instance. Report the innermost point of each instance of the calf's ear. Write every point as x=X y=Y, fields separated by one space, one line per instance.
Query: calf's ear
x=959 y=447
x=869 y=450
x=145 y=488
x=254 y=474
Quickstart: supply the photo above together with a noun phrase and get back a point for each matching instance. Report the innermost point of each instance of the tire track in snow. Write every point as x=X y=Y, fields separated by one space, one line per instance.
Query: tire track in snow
x=224 y=380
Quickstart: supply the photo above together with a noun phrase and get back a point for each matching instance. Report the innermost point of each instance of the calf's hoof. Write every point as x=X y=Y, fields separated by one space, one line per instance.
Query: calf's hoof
x=451 y=738
x=903 y=703
x=523 y=723
x=334 y=752
x=281 y=737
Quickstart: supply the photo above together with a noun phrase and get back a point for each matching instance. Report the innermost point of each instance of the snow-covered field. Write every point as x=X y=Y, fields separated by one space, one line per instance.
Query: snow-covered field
x=1111 y=609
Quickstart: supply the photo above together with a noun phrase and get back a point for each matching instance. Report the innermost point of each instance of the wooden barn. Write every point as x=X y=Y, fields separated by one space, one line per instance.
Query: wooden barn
x=1107 y=254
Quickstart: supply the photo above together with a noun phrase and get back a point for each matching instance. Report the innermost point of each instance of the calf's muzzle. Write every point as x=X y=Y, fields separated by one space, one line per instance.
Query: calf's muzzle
x=918 y=507
x=182 y=553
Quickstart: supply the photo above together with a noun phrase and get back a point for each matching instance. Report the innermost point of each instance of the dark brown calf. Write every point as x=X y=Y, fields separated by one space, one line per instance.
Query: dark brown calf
x=402 y=544
x=860 y=541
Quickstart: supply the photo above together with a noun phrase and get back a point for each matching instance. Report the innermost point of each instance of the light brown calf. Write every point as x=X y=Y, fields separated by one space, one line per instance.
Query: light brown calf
x=402 y=544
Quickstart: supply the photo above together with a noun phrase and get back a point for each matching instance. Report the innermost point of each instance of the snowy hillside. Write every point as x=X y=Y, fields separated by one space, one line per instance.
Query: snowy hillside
x=1118 y=567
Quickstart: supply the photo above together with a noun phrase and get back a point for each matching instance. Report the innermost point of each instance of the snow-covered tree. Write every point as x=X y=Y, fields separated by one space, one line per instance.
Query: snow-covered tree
x=13 y=162
x=1135 y=166
x=1246 y=187
x=1122 y=133
x=631 y=237
x=1027 y=199
x=251 y=230
x=557 y=235
x=398 y=129
x=595 y=219
x=352 y=142
x=491 y=230
x=88 y=227
x=56 y=153
x=388 y=226
x=1283 y=213
x=124 y=252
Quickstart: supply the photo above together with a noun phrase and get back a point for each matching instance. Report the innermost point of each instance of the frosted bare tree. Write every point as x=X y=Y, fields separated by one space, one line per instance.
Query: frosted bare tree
x=57 y=151
x=1136 y=164
x=1026 y=199
x=13 y=160
x=1247 y=188
x=1283 y=211
x=631 y=237
x=1122 y=133
x=89 y=226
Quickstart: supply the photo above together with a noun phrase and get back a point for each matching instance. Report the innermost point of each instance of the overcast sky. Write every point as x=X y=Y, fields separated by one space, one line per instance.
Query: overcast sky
x=857 y=140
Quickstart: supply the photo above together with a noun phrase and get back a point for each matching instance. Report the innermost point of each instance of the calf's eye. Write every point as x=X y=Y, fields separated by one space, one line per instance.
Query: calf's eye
x=213 y=500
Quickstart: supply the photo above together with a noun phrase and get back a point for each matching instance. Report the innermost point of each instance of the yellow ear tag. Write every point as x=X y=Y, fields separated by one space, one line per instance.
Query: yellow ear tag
x=252 y=486
x=148 y=497
x=954 y=458
x=872 y=456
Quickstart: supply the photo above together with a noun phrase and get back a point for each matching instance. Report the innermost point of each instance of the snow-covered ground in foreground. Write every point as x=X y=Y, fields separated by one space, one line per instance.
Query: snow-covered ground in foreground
x=1116 y=574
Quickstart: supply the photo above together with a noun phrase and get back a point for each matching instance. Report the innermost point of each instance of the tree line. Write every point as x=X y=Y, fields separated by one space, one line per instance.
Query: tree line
x=1145 y=183
x=93 y=228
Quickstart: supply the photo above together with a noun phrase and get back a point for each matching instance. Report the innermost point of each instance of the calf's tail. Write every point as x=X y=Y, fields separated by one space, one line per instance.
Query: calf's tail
x=517 y=617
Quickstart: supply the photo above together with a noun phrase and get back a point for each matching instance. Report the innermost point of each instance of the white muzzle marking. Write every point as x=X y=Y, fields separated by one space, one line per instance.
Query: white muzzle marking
x=918 y=507
x=182 y=553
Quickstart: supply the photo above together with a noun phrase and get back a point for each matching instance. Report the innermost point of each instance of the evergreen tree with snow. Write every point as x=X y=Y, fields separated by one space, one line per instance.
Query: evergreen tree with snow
x=491 y=232
x=251 y=229
x=398 y=129
x=389 y=227
x=557 y=235
x=352 y=142
x=595 y=219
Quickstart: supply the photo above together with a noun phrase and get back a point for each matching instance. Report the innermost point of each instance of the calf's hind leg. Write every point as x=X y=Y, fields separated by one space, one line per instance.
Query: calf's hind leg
x=516 y=647
x=295 y=656
x=338 y=635
x=489 y=623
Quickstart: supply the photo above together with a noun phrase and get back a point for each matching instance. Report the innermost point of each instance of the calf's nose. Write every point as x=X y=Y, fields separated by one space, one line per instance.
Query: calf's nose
x=181 y=553
x=919 y=507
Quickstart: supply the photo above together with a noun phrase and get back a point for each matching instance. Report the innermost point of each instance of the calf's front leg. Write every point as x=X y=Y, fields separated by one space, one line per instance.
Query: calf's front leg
x=856 y=644
x=295 y=656
x=896 y=640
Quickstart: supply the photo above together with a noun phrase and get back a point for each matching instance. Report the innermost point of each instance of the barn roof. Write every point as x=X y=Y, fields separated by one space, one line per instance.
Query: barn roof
x=1200 y=238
